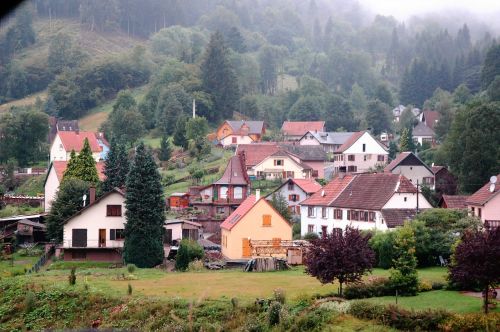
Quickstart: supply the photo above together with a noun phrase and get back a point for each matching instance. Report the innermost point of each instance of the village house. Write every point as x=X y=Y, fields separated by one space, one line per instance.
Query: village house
x=423 y=134
x=56 y=125
x=67 y=141
x=430 y=118
x=485 y=203
x=258 y=158
x=444 y=181
x=232 y=133
x=361 y=152
x=96 y=232
x=377 y=201
x=254 y=219
x=330 y=141
x=413 y=168
x=179 y=229
x=295 y=191
x=178 y=201
x=294 y=130
x=54 y=177
x=453 y=202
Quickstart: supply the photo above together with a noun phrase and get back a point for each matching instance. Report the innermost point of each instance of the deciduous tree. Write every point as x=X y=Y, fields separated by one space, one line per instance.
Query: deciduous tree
x=404 y=277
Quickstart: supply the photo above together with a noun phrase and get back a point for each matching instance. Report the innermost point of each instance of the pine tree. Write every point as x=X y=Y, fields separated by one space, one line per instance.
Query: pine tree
x=116 y=167
x=491 y=66
x=144 y=202
x=377 y=117
x=219 y=79
x=180 y=132
x=71 y=166
x=83 y=166
x=404 y=141
x=235 y=40
x=165 y=149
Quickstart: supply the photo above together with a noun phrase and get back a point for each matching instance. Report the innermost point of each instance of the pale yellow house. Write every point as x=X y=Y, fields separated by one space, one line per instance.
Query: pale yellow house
x=254 y=219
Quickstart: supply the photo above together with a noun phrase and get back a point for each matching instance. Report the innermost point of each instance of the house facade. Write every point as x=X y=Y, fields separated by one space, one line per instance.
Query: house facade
x=254 y=219
x=485 y=203
x=67 y=141
x=413 y=168
x=179 y=229
x=294 y=130
x=360 y=153
x=377 y=201
x=54 y=177
x=423 y=134
x=295 y=191
x=97 y=231
x=281 y=165
x=453 y=202
x=233 y=133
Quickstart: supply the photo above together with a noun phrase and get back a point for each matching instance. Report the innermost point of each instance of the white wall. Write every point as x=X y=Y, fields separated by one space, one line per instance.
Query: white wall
x=228 y=140
x=288 y=165
x=57 y=151
x=414 y=173
x=51 y=187
x=397 y=201
x=363 y=160
x=286 y=193
x=372 y=147
x=93 y=219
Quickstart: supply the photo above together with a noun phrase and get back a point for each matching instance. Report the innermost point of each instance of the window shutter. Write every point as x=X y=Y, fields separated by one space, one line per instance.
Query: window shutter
x=266 y=220
x=112 y=234
x=348 y=214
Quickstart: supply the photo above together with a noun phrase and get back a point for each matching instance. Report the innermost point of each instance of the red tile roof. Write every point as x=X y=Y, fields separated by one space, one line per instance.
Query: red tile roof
x=299 y=128
x=413 y=160
x=393 y=164
x=431 y=118
x=372 y=191
x=397 y=217
x=235 y=173
x=237 y=214
x=454 y=201
x=255 y=153
x=73 y=140
x=483 y=195
x=308 y=185
x=329 y=192
x=436 y=169
x=60 y=167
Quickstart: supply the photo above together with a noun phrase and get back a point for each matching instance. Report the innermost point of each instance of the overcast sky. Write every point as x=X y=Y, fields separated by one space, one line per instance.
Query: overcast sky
x=404 y=8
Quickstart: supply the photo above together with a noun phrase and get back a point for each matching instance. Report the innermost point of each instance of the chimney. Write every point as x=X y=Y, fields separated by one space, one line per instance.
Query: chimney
x=92 y=195
x=257 y=194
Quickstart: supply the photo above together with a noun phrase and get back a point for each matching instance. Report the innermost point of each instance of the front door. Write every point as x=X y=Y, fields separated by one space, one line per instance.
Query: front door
x=102 y=238
x=247 y=252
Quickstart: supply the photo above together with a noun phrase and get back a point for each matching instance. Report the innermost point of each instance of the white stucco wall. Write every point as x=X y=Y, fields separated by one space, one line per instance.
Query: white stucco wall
x=490 y=211
x=363 y=160
x=285 y=192
x=57 y=151
x=228 y=140
x=93 y=219
x=50 y=189
x=414 y=173
x=288 y=165
x=397 y=201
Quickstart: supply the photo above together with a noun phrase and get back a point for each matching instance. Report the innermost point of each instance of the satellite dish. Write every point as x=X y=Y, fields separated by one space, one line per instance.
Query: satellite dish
x=84 y=199
x=493 y=179
x=492 y=187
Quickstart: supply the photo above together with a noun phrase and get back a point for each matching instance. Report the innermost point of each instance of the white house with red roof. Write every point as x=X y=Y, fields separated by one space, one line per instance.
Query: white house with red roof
x=361 y=152
x=54 y=177
x=485 y=203
x=295 y=191
x=377 y=201
x=413 y=168
x=254 y=219
x=66 y=141
x=294 y=130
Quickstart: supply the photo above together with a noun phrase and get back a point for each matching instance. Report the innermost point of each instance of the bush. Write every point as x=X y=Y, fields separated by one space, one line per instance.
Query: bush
x=310 y=236
x=438 y=285
x=279 y=295
x=405 y=284
x=382 y=243
x=312 y=321
x=131 y=268
x=196 y=266
x=188 y=251
x=72 y=276
x=424 y=286
x=373 y=288
x=29 y=302
x=129 y=289
x=473 y=322
x=274 y=313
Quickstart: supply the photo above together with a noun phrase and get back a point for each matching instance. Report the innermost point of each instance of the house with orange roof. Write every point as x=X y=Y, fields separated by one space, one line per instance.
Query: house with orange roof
x=254 y=219
x=377 y=201
x=67 y=141
x=294 y=130
x=295 y=191
x=232 y=133
x=54 y=177
x=361 y=152
x=485 y=203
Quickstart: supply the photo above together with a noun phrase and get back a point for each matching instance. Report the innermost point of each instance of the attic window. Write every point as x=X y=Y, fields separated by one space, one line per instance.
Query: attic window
x=113 y=210
x=278 y=162
x=266 y=220
x=364 y=147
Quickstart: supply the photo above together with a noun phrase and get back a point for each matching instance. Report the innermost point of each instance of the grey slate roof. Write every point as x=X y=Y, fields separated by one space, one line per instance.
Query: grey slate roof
x=324 y=137
x=306 y=152
x=422 y=130
x=255 y=127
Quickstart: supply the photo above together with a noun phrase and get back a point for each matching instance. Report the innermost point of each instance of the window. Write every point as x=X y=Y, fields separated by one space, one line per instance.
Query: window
x=404 y=198
x=167 y=236
x=310 y=228
x=365 y=215
x=324 y=213
x=290 y=174
x=61 y=147
x=293 y=198
x=324 y=230
x=351 y=157
x=337 y=231
x=338 y=214
x=266 y=220
x=79 y=237
x=479 y=212
x=114 y=211
x=220 y=210
x=429 y=180
x=380 y=157
x=371 y=216
x=117 y=234
x=278 y=162
x=315 y=173
x=310 y=211
x=223 y=192
x=364 y=147
x=472 y=210
x=348 y=214
x=352 y=168
x=238 y=193
x=290 y=185
x=234 y=140
x=355 y=215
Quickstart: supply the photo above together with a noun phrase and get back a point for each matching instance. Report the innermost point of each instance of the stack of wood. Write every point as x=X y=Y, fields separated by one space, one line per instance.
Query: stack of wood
x=263 y=264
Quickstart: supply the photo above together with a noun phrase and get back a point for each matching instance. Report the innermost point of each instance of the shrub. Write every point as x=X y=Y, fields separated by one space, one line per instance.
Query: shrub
x=382 y=243
x=196 y=266
x=473 y=322
x=234 y=302
x=312 y=321
x=188 y=251
x=424 y=286
x=274 y=313
x=129 y=289
x=336 y=306
x=310 y=236
x=72 y=276
x=279 y=295
x=438 y=285
x=29 y=302
x=131 y=268
x=373 y=288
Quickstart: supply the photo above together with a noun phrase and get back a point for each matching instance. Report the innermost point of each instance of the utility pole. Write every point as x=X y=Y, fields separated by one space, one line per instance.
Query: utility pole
x=418 y=191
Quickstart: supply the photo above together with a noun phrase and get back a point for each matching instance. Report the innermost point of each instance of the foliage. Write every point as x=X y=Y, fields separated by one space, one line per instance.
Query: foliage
x=274 y=313
x=382 y=243
x=372 y=288
x=165 y=149
x=67 y=202
x=82 y=166
x=340 y=256
x=144 y=211
x=125 y=123
x=188 y=251
x=72 y=276
x=475 y=259
x=116 y=167
x=405 y=141
x=179 y=136
x=131 y=268
x=378 y=117
x=404 y=276
x=279 y=202
x=491 y=66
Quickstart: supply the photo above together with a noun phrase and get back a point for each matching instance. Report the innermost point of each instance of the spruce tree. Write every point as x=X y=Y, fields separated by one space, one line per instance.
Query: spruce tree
x=116 y=167
x=71 y=166
x=180 y=132
x=165 y=149
x=404 y=141
x=144 y=202
x=83 y=166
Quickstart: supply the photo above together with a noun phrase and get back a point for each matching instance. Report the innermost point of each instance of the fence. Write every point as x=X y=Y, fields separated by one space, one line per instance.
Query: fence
x=42 y=260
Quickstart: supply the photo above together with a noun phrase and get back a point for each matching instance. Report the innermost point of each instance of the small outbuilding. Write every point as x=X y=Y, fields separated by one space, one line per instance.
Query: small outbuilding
x=179 y=229
x=179 y=201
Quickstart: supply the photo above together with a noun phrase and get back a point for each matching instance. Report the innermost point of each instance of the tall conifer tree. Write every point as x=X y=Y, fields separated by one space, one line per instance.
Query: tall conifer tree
x=83 y=166
x=116 y=167
x=144 y=228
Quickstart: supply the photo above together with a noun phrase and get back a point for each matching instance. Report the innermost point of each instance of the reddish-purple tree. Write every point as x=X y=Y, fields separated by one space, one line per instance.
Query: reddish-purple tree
x=345 y=257
x=477 y=260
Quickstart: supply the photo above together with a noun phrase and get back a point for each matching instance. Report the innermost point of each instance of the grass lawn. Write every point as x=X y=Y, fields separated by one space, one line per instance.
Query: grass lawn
x=32 y=186
x=20 y=263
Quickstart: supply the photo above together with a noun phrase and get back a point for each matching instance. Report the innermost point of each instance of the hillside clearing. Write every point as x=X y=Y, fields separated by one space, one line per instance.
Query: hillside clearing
x=26 y=101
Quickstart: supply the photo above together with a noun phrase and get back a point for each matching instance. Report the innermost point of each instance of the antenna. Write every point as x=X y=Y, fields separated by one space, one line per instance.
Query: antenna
x=492 y=187
x=84 y=199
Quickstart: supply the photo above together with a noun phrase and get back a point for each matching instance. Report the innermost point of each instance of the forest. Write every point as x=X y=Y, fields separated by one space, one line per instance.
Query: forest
x=270 y=60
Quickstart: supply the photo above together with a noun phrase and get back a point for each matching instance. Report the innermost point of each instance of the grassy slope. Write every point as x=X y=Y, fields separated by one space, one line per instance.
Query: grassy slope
x=32 y=186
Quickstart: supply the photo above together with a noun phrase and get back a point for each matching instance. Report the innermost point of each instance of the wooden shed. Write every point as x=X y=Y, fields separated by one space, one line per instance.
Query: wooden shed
x=179 y=201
